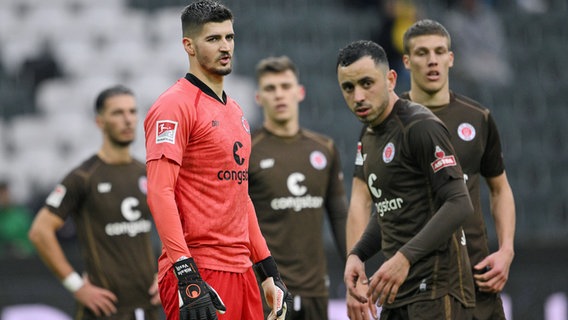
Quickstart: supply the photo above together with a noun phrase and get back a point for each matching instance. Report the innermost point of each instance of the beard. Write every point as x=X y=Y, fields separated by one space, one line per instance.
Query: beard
x=120 y=143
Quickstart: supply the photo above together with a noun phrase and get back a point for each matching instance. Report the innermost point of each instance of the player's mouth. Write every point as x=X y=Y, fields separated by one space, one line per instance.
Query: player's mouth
x=433 y=75
x=225 y=59
x=362 y=112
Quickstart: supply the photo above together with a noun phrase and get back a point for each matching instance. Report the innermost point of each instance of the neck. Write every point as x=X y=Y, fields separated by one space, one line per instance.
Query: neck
x=430 y=100
x=287 y=129
x=115 y=154
x=213 y=81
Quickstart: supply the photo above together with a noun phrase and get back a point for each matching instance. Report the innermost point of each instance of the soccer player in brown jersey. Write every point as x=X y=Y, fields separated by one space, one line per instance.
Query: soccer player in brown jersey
x=197 y=156
x=106 y=198
x=474 y=135
x=295 y=178
x=406 y=167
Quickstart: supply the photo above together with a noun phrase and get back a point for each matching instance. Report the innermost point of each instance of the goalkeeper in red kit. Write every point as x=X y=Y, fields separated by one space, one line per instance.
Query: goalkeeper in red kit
x=197 y=156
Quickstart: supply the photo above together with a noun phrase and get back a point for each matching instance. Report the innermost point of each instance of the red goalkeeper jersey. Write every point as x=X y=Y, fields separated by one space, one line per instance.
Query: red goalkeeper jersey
x=210 y=141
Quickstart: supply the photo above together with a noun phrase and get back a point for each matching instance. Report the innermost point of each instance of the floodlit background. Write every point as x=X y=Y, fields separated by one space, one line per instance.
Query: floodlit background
x=56 y=55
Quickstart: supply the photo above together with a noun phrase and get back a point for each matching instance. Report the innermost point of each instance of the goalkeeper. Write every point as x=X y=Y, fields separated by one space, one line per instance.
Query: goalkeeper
x=197 y=156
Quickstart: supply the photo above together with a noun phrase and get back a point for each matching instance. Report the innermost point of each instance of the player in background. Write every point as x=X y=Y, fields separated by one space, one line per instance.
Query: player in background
x=197 y=156
x=474 y=135
x=295 y=179
x=106 y=198
x=405 y=166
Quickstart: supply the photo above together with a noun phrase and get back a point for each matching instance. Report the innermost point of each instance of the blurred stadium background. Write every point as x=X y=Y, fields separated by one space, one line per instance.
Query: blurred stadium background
x=47 y=127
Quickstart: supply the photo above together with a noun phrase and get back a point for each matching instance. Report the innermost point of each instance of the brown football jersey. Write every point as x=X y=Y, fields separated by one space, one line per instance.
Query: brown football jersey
x=404 y=161
x=108 y=206
x=293 y=182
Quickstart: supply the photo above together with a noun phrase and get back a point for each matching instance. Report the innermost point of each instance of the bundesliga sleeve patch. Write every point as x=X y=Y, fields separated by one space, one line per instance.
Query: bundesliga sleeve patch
x=56 y=196
x=442 y=160
x=166 y=131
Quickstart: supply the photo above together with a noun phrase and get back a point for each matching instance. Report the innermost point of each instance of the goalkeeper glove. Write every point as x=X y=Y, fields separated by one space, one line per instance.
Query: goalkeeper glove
x=197 y=300
x=275 y=292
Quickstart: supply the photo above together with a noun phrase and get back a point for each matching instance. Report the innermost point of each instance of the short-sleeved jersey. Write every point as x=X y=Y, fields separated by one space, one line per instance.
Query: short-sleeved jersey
x=404 y=161
x=210 y=140
x=293 y=182
x=476 y=141
x=113 y=222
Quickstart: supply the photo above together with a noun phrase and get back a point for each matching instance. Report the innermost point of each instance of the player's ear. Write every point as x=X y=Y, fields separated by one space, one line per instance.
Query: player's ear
x=188 y=45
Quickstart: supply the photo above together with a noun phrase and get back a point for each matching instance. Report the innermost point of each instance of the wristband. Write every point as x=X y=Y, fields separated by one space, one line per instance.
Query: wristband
x=267 y=268
x=73 y=282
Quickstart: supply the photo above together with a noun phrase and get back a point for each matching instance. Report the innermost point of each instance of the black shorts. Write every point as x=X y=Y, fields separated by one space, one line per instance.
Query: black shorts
x=444 y=308
x=488 y=306
x=305 y=308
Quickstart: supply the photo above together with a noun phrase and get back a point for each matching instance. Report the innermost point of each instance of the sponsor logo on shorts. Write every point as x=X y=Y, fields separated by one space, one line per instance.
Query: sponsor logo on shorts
x=166 y=131
x=388 y=152
x=318 y=160
x=466 y=131
x=442 y=161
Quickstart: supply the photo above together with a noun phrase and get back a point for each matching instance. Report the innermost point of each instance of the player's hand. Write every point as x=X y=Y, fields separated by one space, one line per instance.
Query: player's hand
x=354 y=277
x=99 y=300
x=357 y=310
x=384 y=284
x=277 y=296
x=197 y=300
x=492 y=273
x=154 y=292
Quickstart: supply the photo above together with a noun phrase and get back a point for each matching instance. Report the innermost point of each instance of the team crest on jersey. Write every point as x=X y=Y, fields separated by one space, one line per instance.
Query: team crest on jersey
x=360 y=157
x=442 y=160
x=388 y=152
x=318 y=160
x=166 y=131
x=245 y=124
x=143 y=184
x=56 y=196
x=466 y=131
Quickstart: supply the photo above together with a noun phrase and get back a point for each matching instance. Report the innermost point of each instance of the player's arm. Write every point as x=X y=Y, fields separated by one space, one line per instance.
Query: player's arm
x=359 y=212
x=503 y=212
x=358 y=216
x=43 y=236
x=162 y=177
x=336 y=205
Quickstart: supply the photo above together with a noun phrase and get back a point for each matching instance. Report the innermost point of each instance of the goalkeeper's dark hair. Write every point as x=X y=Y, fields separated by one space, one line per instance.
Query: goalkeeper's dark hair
x=198 y=13
x=110 y=92
x=425 y=27
x=359 y=49
x=275 y=65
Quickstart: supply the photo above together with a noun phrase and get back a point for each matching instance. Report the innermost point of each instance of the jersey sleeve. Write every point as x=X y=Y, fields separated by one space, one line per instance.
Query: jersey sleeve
x=429 y=142
x=167 y=129
x=336 y=202
x=162 y=177
x=492 y=163
x=257 y=244
x=67 y=196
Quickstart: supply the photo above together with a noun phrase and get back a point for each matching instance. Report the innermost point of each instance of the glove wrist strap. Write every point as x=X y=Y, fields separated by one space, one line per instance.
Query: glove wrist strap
x=185 y=269
x=267 y=268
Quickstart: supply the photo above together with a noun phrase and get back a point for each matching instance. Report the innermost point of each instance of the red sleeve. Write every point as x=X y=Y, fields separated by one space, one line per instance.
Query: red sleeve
x=162 y=177
x=258 y=247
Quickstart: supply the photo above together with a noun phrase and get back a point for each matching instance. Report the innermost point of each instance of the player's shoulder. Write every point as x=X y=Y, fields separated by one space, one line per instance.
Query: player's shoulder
x=318 y=138
x=465 y=102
